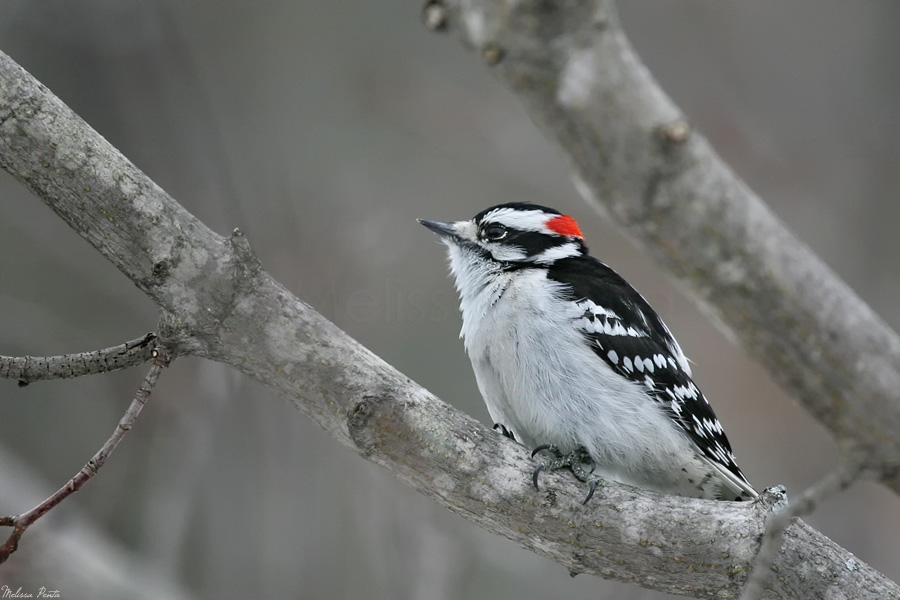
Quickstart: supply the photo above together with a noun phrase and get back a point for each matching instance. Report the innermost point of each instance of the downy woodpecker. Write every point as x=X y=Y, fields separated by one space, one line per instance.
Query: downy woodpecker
x=572 y=360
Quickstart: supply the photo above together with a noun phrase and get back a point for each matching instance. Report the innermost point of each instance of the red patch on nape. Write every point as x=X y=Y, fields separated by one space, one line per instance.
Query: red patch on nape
x=564 y=225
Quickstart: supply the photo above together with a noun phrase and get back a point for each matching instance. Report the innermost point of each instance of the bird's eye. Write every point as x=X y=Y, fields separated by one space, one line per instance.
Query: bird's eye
x=495 y=232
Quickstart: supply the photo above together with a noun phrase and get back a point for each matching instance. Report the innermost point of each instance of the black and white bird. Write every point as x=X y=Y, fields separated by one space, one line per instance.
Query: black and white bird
x=572 y=360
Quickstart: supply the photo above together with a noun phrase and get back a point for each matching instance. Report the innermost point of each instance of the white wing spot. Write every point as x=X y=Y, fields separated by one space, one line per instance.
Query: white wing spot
x=683 y=392
x=605 y=320
x=613 y=357
x=699 y=426
x=714 y=425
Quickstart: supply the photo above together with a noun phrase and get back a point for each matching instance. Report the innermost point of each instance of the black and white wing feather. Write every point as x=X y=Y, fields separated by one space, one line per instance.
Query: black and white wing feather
x=629 y=336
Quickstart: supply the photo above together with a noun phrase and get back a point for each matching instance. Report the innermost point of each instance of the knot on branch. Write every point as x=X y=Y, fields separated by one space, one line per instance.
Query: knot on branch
x=362 y=422
x=493 y=53
x=245 y=268
x=773 y=499
x=160 y=270
x=435 y=15
x=674 y=133
x=245 y=258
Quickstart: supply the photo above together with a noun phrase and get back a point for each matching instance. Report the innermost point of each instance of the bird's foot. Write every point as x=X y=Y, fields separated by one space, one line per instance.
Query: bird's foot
x=578 y=461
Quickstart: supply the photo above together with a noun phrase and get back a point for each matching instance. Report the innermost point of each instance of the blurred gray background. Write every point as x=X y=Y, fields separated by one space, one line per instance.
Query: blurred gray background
x=322 y=130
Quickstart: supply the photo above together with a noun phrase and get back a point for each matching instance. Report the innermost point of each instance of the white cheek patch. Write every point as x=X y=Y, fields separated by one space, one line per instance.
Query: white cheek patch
x=505 y=253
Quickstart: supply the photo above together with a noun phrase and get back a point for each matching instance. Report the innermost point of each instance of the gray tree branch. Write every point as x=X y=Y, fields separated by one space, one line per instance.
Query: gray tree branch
x=637 y=161
x=33 y=368
x=216 y=301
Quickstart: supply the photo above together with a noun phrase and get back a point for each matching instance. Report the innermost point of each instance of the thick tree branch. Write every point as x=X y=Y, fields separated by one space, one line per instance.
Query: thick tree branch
x=217 y=302
x=33 y=368
x=636 y=159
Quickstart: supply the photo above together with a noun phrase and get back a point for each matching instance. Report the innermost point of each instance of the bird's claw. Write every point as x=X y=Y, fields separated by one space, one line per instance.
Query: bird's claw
x=534 y=476
x=552 y=449
x=592 y=487
x=575 y=461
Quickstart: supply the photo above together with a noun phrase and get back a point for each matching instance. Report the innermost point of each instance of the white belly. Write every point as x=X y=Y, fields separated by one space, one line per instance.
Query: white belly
x=542 y=381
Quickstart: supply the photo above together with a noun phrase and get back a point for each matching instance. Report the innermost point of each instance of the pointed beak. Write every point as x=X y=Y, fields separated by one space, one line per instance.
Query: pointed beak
x=445 y=230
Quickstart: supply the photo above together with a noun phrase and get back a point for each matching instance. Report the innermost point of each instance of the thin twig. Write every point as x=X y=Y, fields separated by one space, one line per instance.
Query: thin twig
x=836 y=481
x=33 y=368
x=21 y=522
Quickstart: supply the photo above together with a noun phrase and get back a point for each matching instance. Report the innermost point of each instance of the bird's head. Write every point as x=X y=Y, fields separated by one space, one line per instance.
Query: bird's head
x=512 y=236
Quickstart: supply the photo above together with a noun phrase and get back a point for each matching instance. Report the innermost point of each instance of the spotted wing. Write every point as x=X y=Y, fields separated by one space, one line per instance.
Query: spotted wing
x=629 y=336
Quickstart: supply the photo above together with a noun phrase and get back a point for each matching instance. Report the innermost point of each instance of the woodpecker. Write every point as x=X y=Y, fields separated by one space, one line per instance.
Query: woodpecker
x=572 y=361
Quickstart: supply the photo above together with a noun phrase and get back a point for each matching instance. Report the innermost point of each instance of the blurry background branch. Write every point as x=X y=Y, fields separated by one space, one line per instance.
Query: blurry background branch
x=217 y=302
x=636 y=160
x=71 y=553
